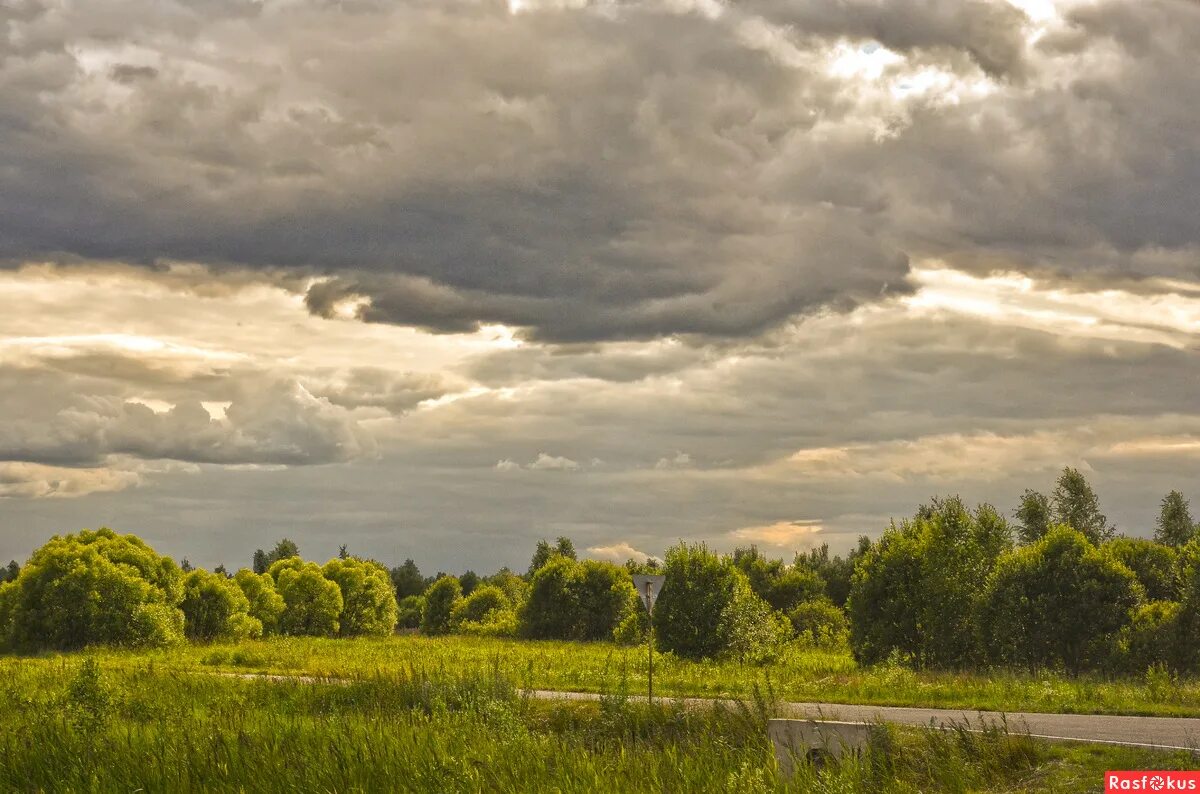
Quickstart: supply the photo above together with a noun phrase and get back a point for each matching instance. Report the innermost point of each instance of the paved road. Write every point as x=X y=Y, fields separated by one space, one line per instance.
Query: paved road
x=1173 y=733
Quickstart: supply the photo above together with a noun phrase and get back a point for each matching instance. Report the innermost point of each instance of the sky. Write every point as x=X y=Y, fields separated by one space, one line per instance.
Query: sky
x=439 y=278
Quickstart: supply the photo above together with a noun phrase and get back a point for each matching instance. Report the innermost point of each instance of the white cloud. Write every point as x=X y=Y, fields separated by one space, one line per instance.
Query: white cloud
x=35 y=481
x=507 y=465
x=619 y=552
x=547 y=462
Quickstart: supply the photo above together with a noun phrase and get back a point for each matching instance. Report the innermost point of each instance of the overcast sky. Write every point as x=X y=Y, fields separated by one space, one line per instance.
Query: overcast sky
x=438 y=278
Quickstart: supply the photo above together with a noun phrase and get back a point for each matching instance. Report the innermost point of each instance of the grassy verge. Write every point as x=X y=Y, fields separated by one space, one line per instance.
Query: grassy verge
x=72 y=724
x=801 y=675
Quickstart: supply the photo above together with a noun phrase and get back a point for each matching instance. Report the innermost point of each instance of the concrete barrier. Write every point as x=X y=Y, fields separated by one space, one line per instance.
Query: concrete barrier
x=817 y=741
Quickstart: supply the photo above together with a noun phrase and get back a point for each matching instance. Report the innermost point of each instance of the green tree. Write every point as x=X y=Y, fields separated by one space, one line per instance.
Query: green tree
x=1059 y=603
x=707 y=608
x=283 y=550
x=836 y=572
x=605 y=597
x=312 y=603
x=407 y=580
x=572 y=600
x=915 y=591
x=1186 y=628
x=1033 y=516
x=1174 y=526
x=440 y=600
x=820 y=624
x=469 y=581
x=261 y=563
x=368 y=599
x=10 y=572
x=95 y=588
x=544 y=552
x=409 y=610
x=1154 y=565
x=551 y=610
x=1075 y=504
x=266 y=605
x=215 y=608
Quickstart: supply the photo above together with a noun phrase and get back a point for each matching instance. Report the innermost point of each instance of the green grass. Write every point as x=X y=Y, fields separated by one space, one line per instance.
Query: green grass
x=801 y=675
x=132 y=724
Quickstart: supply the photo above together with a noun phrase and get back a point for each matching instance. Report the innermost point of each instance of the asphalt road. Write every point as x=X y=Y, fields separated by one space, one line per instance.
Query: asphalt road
x=1175 y=733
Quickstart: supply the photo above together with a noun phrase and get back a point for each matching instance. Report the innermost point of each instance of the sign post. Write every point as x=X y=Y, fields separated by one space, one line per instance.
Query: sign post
x=648 y=587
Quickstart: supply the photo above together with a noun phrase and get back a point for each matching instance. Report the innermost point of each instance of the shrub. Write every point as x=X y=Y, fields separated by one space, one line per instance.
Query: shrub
x=1187 y=648
x=750 y=631
x=440 y=600
x=215 y=608
x=573 y=600
x=820 y=624
x=916 y=590
x=95 y=588
x=266 y=605
x=552 y=608
x=368 y=598
x=1152 y=637
x=477 y=607
x=408 y=612
x=633 y=628
x=1060 y=602
x=707 y=609
x=1154 y=565
x=312 y=603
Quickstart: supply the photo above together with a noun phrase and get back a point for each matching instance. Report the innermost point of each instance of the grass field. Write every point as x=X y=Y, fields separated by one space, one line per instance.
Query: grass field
x=132 y=724
x=801 y=675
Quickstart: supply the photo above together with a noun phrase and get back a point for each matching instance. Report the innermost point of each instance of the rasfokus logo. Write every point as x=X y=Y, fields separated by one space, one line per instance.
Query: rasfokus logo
x=1158 y=780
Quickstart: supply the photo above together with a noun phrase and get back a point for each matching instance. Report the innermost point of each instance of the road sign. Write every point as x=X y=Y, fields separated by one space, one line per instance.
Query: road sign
x=648 y=586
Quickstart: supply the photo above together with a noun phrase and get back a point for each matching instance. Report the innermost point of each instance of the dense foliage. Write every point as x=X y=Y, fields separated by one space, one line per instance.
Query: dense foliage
x=93 y=588
x=368 y=599
x=215 y=608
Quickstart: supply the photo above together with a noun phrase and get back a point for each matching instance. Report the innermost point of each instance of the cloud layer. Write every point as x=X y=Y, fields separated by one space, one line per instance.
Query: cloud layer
x=600 y=170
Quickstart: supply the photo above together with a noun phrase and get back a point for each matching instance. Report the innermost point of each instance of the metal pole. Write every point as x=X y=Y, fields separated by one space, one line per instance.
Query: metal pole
x=650 y=647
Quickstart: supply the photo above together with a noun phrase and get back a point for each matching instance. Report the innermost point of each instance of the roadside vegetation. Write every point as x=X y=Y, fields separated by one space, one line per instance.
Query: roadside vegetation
x=74 y=723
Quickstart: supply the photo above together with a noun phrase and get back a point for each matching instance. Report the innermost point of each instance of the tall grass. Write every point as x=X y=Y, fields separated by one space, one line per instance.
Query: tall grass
x=799 y=675
x=73 y=724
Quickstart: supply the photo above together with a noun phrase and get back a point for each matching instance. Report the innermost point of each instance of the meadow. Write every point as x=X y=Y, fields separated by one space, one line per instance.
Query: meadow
x=797 y=675
x=106 y=723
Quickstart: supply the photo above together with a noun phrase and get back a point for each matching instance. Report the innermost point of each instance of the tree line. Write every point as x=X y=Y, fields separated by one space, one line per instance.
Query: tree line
x=950 y=587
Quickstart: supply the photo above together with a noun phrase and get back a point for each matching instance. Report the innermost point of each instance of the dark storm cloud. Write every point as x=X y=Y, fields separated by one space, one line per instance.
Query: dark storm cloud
x=617 y=171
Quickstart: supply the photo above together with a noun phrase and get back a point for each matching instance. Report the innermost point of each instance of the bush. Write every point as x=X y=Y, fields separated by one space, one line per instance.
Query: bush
x=440 y=600
x=1154 y=565
x=476 y=607
x=915 y=591
x=571 y=600
x=1152 y=637
x=750 y=631
x=312 y=603
x=408 y=612
x=708 y=609
x=215 y=608
x=551 y=610
x=1187 y=648
x=633 y=628
x=820 y=624
x=1060 y=602
x=95 y=588
x=266 y=605
x=368 y=597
